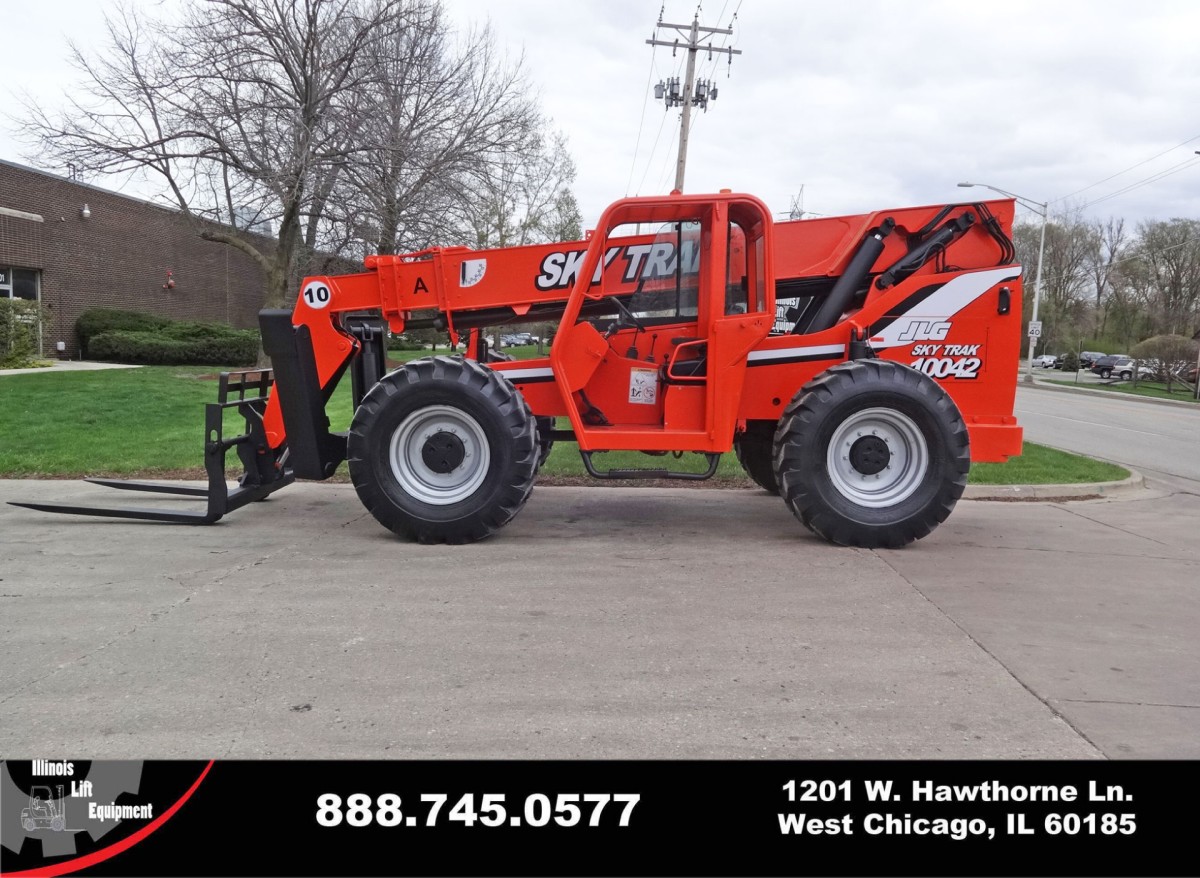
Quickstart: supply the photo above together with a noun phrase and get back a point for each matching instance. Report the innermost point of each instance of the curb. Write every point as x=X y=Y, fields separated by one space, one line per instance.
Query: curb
x=1081 y=491
x=1110 y=394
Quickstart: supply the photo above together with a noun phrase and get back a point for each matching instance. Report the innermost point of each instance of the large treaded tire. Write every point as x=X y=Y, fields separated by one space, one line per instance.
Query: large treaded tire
x=902 y=458
x=544 y=440
x=471 y=492
x=755 y=450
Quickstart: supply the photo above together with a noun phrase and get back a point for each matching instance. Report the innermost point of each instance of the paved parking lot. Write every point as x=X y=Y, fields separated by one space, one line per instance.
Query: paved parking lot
x=604 y=622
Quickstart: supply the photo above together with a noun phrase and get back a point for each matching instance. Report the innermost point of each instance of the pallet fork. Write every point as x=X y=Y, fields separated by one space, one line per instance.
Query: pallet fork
x=247 y=392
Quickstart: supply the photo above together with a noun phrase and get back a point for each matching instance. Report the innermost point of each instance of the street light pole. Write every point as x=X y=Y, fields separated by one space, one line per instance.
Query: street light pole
x=1043 y=209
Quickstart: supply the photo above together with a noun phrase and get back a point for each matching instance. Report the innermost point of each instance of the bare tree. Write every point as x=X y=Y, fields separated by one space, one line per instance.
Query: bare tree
x=1069 y=242
x=1108 y=246
x=1170 y=250
x=246 y=110
x=522 y=197
x=443 y=108
x=1126 y=307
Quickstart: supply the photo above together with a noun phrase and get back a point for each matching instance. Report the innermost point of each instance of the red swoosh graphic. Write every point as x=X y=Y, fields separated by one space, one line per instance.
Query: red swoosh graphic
x=112 y=850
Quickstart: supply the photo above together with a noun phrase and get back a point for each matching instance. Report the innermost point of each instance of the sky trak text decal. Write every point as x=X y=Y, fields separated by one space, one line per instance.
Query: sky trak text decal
x=642 y=262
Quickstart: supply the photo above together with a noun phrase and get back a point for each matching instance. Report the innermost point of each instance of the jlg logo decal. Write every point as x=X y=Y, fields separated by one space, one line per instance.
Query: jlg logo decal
x=925 y=330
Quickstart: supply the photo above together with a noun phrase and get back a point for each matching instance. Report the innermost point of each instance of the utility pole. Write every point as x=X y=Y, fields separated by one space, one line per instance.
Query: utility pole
x=698 y=94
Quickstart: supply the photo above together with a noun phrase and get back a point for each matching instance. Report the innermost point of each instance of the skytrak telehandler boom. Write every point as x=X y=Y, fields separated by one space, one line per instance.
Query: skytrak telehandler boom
x=862 y=404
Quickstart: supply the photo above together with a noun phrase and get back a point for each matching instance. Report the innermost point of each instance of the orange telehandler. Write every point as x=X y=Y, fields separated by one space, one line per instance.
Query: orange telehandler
x=856 y=365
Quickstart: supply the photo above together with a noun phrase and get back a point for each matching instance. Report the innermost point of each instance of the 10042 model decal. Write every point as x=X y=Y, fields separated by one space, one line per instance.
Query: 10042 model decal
x=947 y=360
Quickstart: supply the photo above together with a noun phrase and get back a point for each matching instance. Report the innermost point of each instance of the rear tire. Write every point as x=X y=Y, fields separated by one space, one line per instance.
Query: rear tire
x=443 y=450
x=872 y=454
x=544 y=440
x=755 y=452
x=1106 y=373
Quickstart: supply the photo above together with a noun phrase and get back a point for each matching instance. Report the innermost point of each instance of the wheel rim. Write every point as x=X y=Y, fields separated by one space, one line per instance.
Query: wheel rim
x=877 y=457
x=440 y=455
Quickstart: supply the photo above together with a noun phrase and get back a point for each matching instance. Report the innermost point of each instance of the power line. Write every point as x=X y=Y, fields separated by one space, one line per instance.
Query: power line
x=1133 y=257
x=653 y=150
x=1127 y=170
x=641 y=124
x=666 y=171
x=1174 y=169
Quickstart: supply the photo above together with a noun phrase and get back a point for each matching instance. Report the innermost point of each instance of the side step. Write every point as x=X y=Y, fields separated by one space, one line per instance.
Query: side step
x=647 y=473
x=263 y=474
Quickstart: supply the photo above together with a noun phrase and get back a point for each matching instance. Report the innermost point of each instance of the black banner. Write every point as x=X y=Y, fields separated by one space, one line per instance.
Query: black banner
x=598 y=818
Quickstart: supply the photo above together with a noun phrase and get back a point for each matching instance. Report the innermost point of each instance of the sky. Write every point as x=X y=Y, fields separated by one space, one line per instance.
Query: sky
x=853 y=107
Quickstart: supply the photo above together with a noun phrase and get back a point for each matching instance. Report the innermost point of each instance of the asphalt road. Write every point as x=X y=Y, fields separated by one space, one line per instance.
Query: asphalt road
x=607 y=622
x=603 y=622
x=1161 y=441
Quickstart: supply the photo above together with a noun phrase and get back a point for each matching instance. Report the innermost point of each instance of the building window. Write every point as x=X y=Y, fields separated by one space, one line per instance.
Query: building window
x=23 y=283
x=26 y=284
x=20 y=283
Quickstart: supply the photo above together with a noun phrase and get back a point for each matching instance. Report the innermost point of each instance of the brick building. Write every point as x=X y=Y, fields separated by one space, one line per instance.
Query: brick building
x=76 y=246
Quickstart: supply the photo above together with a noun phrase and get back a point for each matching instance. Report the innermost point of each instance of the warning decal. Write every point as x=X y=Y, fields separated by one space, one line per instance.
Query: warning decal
x=643 y=386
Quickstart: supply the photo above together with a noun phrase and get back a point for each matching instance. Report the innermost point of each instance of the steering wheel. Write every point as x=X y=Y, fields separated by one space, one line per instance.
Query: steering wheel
x=626 y=318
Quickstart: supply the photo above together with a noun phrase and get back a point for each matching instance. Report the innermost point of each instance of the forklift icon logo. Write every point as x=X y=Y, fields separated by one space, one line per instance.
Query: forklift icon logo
x=44 y=812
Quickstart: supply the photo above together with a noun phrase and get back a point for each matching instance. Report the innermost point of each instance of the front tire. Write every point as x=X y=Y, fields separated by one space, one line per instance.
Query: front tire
x=872 y=454
x=443 y=450
x=1106 y=373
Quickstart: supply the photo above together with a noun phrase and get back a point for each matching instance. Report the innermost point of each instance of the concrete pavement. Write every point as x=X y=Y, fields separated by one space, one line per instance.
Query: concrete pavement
x=603 y=622
x=66 y=366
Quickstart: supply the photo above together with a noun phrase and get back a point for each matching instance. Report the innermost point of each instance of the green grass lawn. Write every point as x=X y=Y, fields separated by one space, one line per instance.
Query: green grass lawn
x=1154 y=389
x=150 y=421
x=1039 y=465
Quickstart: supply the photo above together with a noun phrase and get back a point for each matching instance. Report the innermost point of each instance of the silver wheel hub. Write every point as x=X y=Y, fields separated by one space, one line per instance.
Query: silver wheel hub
x=439 y=455
x=877 y=457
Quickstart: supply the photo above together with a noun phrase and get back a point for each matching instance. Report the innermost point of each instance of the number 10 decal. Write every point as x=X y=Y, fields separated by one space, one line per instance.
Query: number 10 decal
x=316 y=295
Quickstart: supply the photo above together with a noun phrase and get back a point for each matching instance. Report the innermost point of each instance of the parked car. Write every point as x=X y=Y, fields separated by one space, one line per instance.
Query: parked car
x=1104 y=365
x=1045 y=361
x=1123 y=367
x=1087 y=359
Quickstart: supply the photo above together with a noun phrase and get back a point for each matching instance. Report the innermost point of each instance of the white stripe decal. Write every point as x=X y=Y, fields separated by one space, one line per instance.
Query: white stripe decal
x=519 y=374
x=945 y=303
x=831 y=350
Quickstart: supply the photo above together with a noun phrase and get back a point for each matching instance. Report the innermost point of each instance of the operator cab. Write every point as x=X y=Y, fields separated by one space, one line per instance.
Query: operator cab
x=651 y=353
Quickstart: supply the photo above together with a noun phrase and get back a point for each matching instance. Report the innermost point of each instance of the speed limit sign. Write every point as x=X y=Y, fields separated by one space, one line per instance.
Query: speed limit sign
x=1035 y=329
